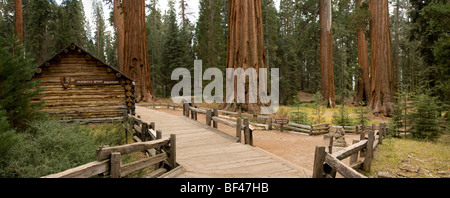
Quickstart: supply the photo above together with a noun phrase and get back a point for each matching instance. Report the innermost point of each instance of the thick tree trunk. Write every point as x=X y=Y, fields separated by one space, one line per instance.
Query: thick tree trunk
x=326 y=53
x=245 y=45
x=363 y=89
x=382 y=83
x=18 y=21
x=135 y=63
x=119 y=25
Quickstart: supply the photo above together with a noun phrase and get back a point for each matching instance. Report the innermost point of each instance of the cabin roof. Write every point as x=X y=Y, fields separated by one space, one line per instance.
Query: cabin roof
x=93 y=57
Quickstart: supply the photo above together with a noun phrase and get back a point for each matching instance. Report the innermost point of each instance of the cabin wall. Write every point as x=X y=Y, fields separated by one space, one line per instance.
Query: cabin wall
x=88 y=102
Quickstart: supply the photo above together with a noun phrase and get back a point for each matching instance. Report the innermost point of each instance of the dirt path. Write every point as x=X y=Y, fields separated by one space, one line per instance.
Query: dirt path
x=298 y=149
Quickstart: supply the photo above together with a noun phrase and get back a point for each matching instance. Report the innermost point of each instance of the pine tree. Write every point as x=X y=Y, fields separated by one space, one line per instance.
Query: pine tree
x=425 y=119
x=100 y=28
x=318 y=105
x=39 y=25
x=17 y=91
x=71 y=25
x=171 y=51
x=287 y=54
x=429 y=28
x=308 y=45
x=210 y=35
x=155 y=29
x=342 y=117
x=361 y=112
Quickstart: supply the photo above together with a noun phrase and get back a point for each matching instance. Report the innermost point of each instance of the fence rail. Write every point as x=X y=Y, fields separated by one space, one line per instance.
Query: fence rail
x=326 y=164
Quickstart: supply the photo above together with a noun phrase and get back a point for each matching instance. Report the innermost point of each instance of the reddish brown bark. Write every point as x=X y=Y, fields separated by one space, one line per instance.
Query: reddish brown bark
x=135 y=54
x=363 y=89
x=326 y=53
x=382 y=82
x=18 y=21
x=118 y=24
x=245 y=44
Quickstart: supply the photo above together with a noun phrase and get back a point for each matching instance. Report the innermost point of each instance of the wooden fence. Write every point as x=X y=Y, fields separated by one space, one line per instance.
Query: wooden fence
x=213 y=118
x=263 y=122
x=327 y=164
x=161 y=152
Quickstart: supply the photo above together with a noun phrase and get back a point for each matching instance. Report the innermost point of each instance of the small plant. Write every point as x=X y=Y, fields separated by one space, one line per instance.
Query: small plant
x=361 y=112
x=319 y=107
x=283 y=112
x=341 y=118
x=300 y=116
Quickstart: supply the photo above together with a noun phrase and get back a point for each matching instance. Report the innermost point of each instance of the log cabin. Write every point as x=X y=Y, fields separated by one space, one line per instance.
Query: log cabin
x=80 y=87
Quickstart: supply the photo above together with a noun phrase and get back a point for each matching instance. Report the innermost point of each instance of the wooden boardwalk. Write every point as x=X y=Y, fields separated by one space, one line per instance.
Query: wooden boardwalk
x=208 y=153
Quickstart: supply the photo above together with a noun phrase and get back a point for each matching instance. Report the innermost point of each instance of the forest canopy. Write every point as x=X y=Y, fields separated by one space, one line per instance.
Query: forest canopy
x=419 y=41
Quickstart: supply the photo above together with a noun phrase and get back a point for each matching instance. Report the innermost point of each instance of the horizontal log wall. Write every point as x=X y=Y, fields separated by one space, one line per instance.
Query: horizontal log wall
x=77 y=102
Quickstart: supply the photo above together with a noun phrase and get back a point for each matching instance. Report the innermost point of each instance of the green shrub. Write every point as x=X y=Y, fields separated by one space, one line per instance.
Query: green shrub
x=109 y=134
x=300 y=116
x=361 y=112
x=7 y=139
x=319 y=107
x=342 y=118
x=49 y=147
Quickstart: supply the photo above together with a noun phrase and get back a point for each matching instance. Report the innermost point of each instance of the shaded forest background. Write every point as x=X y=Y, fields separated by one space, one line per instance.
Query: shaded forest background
x=419 y=32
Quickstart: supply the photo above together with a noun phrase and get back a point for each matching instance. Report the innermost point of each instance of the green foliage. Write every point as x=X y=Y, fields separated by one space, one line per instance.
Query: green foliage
x=175 y=53
x=425 y=117
x=155 y=30
x=300 y=116
x=430 y=27
x=342 y=118
x=361 y=112
x=210 y=34
x=283 y=112
x=399 y=117
x=7 y=139
x=16 y=89
x=109 y=134
x=319 y=106
x=71 y=25
x=49 y=147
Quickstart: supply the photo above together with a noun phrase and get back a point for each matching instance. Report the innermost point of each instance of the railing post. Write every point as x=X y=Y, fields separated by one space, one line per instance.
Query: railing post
x=239 y=128
x=158 y=134
x=173 y=151
x=269 y=120
x=216 y=113
x=208 y=117
x=144 y=132
x=116 y=162
x=246 y=131
x=369 y=152
x=319 y=159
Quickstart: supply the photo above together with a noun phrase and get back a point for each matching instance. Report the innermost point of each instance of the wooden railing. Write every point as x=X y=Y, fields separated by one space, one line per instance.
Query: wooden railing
x=242 y=125
x=326 y=164
x=267 y=122
x=161 y=152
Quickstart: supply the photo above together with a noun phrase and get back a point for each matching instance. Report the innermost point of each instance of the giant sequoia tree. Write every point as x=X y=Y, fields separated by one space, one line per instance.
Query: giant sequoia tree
x=326 y=52
x=245 y=44
x=363 y=87
x=382 y=82
x=129 y=19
